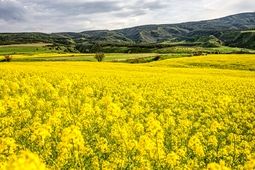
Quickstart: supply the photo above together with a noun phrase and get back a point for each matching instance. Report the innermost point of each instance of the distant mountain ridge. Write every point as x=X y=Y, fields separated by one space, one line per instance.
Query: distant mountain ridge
x=235 y=30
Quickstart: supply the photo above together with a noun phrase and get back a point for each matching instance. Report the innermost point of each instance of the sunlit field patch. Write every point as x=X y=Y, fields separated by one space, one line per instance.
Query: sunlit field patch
x=84 y=115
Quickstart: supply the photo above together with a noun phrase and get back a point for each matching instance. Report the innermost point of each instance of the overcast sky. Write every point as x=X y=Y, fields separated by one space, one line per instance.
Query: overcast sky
x=81 y=15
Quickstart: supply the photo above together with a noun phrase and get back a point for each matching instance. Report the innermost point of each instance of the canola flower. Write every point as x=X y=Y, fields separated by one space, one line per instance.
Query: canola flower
x=118 y=116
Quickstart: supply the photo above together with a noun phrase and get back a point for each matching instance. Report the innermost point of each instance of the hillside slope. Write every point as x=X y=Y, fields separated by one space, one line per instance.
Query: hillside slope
x=223 y=31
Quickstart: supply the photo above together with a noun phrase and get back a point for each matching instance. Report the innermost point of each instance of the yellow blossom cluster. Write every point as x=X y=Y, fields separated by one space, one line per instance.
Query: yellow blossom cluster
x=119 y=116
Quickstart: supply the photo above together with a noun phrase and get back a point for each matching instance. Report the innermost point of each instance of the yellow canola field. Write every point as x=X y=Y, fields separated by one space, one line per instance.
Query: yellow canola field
x=227 y=61
x=73 y=115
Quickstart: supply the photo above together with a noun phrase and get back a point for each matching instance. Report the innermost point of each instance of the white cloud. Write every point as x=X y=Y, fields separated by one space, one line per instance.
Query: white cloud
x=80 y=15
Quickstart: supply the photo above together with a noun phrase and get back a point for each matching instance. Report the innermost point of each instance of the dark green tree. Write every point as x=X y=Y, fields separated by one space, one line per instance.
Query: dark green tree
x=99 y=57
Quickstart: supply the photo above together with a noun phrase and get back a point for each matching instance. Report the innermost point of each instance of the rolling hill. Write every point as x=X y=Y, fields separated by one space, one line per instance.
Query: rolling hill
x=235 y=30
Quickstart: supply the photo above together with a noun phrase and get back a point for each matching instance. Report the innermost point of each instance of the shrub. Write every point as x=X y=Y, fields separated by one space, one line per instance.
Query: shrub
x=156 y=58
x=99 y=57
x=7 y=58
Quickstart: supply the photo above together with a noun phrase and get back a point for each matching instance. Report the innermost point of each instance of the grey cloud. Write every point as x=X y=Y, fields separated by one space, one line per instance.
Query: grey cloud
x=79 y=15
x=130 y=13
x=246 y=5
x=76 y=7
x=12 y=11
x=155 y=5
x=140 y=8
x=58 y=7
